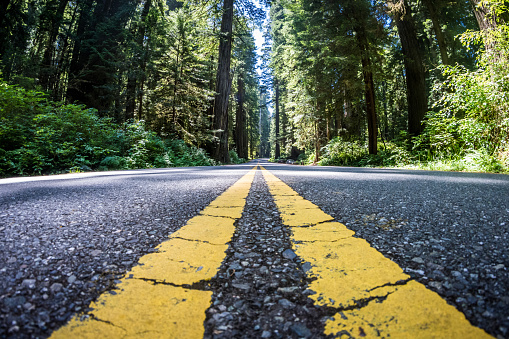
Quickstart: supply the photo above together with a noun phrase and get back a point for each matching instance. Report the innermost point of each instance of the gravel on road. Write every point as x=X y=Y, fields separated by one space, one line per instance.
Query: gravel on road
x=260 y=290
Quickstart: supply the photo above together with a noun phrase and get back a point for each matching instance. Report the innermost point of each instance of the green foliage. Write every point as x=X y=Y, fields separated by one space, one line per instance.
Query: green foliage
x=18 y=108
x=145 y=146
x=346 y=153
x=180 y=154
x=470 y=128
x=341 y=153
x=39 y=136
x=234 y=157
x=475 y=161
x=113 y=163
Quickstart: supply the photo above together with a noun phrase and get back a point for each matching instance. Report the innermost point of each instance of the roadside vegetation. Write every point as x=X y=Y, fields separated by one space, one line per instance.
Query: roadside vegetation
x=38 y=136
x=463 y=117
x=132 y=84
x=126 y=84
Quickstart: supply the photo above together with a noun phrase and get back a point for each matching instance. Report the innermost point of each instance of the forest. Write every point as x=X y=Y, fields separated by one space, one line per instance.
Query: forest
x=123 y=84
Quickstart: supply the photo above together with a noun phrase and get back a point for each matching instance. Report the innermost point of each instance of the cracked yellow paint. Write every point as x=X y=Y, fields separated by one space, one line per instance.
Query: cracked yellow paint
x=405 y=314
x=150 y=302
x=328 y=232
x=372 y=294
x=232 y=212
x=181 y=262
x=348 y=271
x=299 y=212
x=143 y=309
x=214 y=230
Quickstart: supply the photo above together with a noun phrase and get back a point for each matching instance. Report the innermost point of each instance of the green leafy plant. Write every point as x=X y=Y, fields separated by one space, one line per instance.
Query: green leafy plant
x=234 y=157
x=39 y=136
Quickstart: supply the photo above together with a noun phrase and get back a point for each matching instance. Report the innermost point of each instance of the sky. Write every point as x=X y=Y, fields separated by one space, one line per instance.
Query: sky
x=258 y=36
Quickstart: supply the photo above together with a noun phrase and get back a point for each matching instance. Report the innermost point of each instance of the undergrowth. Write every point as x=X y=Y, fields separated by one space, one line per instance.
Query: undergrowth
x=393 y=155
x=38 y=136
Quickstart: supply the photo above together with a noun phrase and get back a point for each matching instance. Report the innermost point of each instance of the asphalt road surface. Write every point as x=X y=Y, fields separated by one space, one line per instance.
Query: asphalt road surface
x=238 y=252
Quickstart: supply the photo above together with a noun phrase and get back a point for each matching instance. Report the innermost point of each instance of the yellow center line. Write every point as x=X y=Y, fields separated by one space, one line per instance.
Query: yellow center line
x=156 y=299
x=372 y=295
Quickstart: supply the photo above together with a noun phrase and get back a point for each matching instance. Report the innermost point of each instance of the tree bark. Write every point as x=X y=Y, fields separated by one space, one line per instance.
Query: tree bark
x=135 y=74
x=240 y=121
x=317 y=143
x=482 y=16
x=414 y=65
x=223 y=85
x=369 y=90
x=4 y=6
x=278 y=148
x=284 y=124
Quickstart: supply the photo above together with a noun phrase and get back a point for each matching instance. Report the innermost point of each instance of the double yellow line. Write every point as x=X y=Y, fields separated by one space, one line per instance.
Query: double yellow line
x=158 y=298
x=371 y=294
x=161 y=297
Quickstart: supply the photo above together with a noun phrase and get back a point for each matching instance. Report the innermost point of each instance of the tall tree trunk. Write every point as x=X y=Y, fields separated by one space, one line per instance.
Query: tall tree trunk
x=369 y=90
x=487 y=22
x=48 y=71
x=135 y=73
x=80 y=54
x=175 y=85
x=442 y=45
x=482 y=16
x=339 y=114
x=240 y=121
x=414 y=65
x=278 y=149
x=317 y=143
x=3 y=10
x=251 y=138
x=284 y=122
x=4 y=6
x=260 y=154
x=223 y=84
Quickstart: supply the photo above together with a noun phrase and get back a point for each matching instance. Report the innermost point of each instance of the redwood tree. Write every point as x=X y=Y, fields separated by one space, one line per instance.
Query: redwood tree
x=414 y=65
x=223 y=85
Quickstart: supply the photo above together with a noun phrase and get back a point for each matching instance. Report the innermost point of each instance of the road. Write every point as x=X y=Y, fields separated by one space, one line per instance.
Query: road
x=248 y=251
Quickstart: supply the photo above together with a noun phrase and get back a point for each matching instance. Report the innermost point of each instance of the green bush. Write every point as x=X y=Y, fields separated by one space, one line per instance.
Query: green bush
x=183 y=155
x=347 y=153
x=39 y=136
x=234 y=157
x=145 y=146
x=18 y=108
x=342 y=153
x=114 y=163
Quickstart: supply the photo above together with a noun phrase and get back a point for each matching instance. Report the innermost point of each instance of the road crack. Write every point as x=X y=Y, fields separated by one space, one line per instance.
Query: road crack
x=397 y=283
x=195 y=240
x=318 y=241
x=95 y=318
x=358 y=305
x=202 y=285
